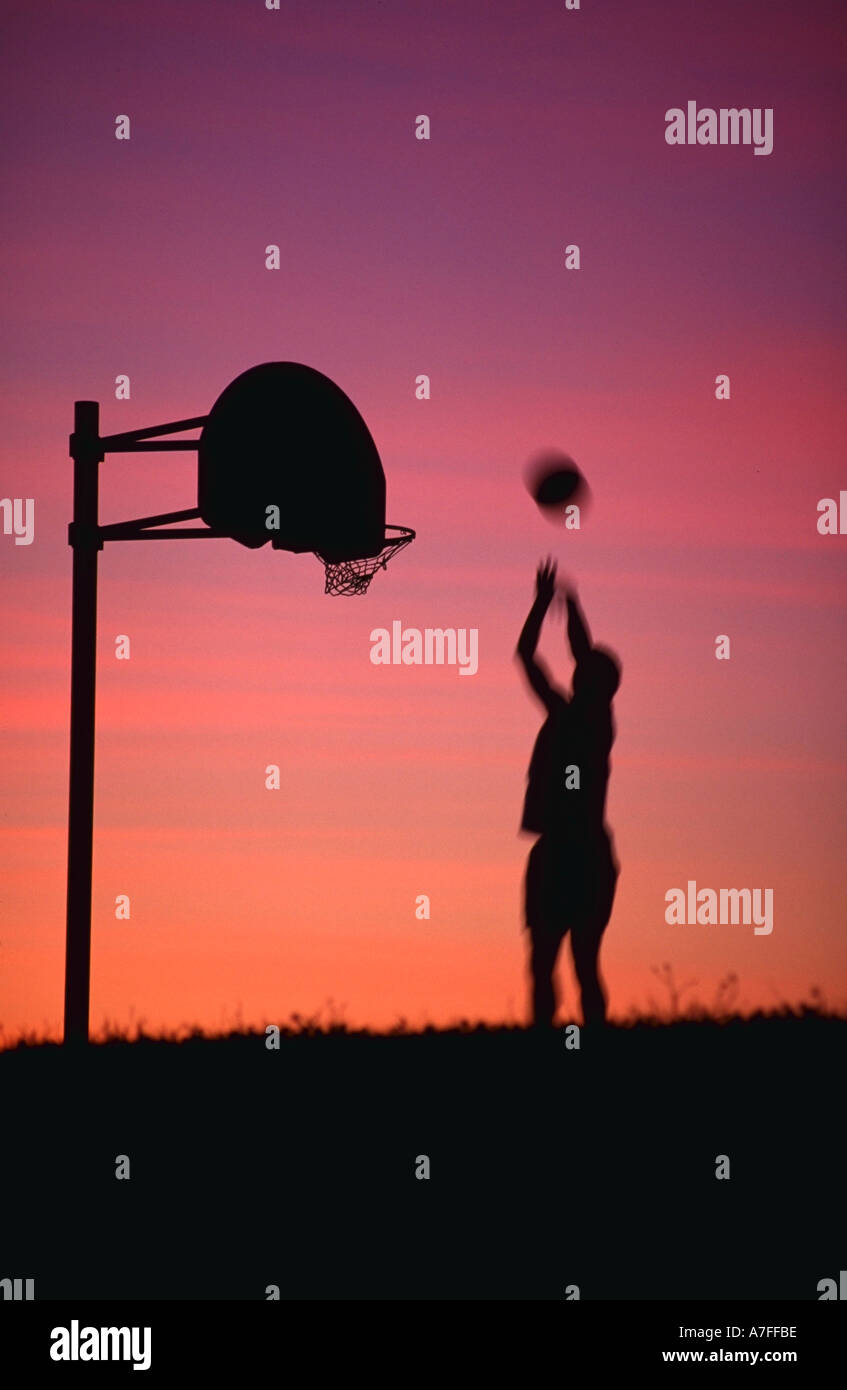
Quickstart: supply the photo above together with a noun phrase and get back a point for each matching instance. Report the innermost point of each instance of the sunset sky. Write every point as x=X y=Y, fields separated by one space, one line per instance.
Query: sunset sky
x=445 y=257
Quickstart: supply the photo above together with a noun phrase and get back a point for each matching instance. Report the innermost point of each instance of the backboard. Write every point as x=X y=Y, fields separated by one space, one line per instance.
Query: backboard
x=284 y=435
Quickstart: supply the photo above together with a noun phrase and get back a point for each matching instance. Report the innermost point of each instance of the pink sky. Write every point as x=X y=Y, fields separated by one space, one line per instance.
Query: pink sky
x=445 y=257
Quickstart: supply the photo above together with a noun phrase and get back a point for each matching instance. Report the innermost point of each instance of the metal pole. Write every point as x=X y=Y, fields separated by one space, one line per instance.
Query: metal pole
x=84 y=537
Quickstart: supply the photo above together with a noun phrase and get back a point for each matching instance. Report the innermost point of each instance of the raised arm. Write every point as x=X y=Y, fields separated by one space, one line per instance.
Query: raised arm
x=578 y=634
x=536 y=672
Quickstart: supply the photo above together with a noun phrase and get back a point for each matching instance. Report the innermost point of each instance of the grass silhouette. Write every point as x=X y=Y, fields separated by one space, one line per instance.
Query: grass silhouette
x=328 y=1020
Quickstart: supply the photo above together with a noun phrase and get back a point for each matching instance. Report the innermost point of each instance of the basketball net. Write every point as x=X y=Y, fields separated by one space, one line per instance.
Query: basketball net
x=353 y=576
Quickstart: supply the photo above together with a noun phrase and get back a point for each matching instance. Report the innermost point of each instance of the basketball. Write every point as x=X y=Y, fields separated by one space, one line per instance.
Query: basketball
x=554 y=481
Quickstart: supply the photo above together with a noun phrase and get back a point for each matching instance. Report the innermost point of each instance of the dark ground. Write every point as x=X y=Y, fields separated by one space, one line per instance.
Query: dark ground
x=550 y=1167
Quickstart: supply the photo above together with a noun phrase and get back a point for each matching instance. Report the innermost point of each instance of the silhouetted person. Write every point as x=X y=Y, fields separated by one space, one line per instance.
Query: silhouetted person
x=572 y=871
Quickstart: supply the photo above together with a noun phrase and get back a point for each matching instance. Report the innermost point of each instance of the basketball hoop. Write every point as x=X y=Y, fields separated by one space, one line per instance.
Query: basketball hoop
x=284 y=456
x=353 y=576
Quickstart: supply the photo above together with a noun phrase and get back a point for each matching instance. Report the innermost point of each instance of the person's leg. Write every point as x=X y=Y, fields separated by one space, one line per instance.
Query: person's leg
x=544 y=948
x=597 y=899
x=543 y=942
x=585 y=946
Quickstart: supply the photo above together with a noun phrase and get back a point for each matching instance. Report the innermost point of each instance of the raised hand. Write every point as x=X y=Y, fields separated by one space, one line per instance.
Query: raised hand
x=545 y=581
x=545 y=587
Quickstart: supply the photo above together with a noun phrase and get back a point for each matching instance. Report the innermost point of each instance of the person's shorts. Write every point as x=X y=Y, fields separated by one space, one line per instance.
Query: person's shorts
x=570 y=884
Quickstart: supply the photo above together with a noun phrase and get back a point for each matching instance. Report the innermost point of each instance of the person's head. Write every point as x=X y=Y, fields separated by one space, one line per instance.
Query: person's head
x=597 y=676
